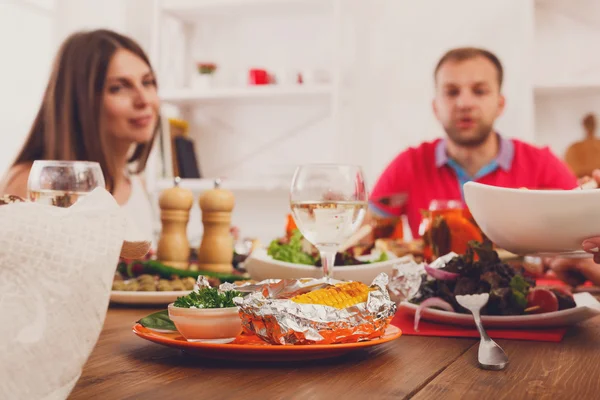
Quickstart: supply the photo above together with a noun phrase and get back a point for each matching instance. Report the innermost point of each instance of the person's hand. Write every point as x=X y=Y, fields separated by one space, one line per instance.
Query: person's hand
x=595 y=176
x=575 y=271
x=592 y=245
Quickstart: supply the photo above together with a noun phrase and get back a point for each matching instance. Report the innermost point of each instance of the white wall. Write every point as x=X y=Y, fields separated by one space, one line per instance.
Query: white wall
x=565 y=36
x=26 y=46
x=567 y=70
x=399 y=44
x=559 y=118
x=74 y=15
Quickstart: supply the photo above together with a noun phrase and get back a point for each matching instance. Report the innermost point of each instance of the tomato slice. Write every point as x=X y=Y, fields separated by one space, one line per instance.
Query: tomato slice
x=541 y=301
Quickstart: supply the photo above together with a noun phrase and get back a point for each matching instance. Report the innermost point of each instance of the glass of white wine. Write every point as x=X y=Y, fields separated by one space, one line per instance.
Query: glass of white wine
x=328 y=203
x=62 y=183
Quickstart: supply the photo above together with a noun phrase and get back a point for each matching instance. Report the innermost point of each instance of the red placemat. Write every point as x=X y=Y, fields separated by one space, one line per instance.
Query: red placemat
x=550 y=281
x=405 y=321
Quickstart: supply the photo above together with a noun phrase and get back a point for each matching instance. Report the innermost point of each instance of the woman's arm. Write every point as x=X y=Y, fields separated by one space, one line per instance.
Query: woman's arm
x=15 y=181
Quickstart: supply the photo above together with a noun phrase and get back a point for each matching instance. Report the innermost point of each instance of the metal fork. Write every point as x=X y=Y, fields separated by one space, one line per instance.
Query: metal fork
x=490 y=355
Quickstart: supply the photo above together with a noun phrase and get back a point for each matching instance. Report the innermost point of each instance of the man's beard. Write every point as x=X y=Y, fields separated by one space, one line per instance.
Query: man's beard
x=481 y=134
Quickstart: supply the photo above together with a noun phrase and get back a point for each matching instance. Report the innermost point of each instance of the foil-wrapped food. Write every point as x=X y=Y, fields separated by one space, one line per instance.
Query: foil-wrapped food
x=316 y=311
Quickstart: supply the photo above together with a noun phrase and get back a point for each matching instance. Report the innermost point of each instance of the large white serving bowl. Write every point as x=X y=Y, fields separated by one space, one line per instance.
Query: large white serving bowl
x=535 y=221
x=262 y=266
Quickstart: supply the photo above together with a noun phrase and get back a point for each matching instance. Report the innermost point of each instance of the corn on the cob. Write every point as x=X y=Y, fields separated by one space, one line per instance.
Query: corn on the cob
x=341 y=295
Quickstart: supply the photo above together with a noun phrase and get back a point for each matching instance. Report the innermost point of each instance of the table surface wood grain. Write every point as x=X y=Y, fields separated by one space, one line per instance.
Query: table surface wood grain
x=123 y=366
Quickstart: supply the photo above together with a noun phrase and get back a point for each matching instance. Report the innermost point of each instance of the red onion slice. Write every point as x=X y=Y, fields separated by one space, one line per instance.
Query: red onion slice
x=440 y=274
x=431 y=302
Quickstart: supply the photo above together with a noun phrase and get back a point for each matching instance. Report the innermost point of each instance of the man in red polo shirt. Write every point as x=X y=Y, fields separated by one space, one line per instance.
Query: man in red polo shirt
x=467 y=101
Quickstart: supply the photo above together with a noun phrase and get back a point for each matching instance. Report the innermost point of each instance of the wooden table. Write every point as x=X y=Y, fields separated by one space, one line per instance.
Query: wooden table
x=123 y=366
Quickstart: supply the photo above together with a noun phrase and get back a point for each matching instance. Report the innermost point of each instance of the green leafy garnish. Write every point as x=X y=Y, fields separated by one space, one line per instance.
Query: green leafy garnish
x=290 y=252
x=158 y=320
x=383 y=257
x=208 y=297
x=520 y=288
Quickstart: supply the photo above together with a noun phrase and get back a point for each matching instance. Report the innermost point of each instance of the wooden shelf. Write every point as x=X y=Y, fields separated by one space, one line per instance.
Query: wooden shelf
x=192 y=10
x=235 y=184
x=273 y=92
x=571 y=88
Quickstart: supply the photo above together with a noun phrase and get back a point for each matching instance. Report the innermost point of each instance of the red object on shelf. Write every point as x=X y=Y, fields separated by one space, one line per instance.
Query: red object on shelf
x=258 y=77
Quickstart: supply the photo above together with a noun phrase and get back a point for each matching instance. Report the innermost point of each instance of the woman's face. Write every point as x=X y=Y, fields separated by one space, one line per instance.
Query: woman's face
x=130 y=99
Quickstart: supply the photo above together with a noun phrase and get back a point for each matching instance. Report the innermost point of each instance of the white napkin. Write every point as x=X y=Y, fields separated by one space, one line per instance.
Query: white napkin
x=56 y=270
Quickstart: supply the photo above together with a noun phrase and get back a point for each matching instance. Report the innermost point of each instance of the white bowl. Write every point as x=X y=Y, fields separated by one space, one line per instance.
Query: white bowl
x=262 y=266
x=535 y=221
x=212 y=325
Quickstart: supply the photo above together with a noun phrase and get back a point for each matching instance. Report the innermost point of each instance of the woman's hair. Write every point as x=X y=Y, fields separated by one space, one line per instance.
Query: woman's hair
x=68 y=124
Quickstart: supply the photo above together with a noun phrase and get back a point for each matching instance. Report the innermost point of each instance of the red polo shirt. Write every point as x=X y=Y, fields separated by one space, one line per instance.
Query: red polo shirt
x=425 y=173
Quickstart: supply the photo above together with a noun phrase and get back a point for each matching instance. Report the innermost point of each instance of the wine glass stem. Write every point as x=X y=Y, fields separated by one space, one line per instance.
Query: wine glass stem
x=327 y=261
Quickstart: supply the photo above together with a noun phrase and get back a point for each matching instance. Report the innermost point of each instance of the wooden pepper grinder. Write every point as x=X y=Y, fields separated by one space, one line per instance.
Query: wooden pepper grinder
x=216 y=249
x=173 y=246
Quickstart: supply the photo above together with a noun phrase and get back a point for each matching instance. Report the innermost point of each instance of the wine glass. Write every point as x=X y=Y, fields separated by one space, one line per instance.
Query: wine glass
x=328 y=203
x=62 y=183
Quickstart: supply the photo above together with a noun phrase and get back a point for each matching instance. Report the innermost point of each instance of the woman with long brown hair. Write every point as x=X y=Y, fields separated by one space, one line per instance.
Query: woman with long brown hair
x=100 y=104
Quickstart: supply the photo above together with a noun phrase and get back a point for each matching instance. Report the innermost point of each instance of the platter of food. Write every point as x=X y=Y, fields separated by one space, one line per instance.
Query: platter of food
x=294 y=258
x=275 y=320
x=252 y=348
x=515 y=300
x=586 y=307
x=149 y=282
x=145 y=298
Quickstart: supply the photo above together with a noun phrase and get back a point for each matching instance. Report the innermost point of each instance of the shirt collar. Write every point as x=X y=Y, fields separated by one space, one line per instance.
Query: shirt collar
x=504 y=158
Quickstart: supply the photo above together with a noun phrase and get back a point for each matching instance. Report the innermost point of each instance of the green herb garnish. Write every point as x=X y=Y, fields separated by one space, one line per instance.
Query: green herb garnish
x=383 y=257
x=520 y=288
x=290 y=252
x=208 y=297
x=158 y=320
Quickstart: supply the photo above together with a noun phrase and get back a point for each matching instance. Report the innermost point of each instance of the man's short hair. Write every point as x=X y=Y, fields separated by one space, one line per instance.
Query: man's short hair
x=467 y=53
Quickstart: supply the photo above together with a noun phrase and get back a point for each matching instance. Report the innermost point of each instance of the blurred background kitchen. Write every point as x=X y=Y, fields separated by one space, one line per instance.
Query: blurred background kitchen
x=251 y=88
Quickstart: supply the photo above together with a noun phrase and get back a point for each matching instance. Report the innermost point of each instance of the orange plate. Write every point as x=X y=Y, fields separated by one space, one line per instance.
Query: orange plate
x=246 y=347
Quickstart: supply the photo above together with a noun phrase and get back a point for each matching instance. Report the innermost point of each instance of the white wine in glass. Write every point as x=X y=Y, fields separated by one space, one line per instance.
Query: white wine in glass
x=62 y=183
x=328 y=203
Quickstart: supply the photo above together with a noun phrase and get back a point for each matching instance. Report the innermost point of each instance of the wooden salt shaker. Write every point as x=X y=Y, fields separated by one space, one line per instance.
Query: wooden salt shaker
x=173 y=246
x=216 y=249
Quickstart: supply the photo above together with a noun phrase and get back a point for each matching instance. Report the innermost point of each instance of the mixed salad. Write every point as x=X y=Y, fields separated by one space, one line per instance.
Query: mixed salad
x=480 y=270
x=297 y=250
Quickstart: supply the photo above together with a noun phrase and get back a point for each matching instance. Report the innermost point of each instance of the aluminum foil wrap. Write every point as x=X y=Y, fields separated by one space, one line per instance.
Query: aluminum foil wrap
x=409 y=275
x=406 y=281
x=268 y=313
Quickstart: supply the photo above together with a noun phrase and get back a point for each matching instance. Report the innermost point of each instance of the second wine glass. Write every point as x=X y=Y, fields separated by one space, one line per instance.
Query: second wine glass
x=62 y=183
x=328 y=202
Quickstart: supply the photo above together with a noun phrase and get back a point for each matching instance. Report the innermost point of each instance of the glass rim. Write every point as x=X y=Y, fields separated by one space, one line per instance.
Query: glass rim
x=65 y=163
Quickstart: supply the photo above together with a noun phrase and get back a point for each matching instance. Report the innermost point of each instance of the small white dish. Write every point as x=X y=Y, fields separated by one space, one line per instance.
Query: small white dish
x=262 y=266
x=586 y=307
x=209 y=325
x=527 y=222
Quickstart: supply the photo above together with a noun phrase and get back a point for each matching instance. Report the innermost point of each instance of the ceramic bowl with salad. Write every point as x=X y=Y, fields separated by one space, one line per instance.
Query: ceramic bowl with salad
x=293 y=257
x=207 y=314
